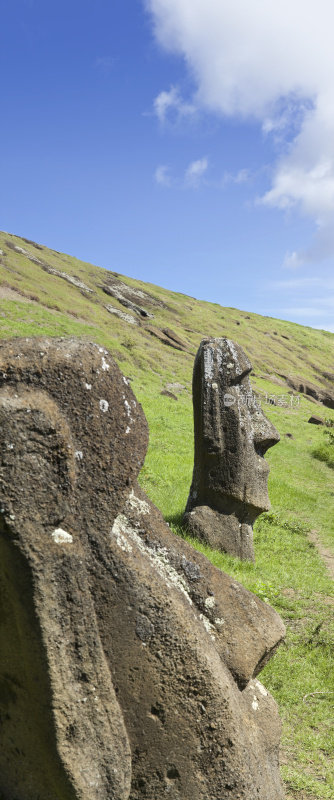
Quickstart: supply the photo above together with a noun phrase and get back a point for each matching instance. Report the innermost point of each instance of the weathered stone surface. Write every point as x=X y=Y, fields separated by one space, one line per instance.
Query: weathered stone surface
x=167 y=393
x=315 y=420
x=114 y=291
x=174 y=337
x=324 y=395
x=70 y=449
x=128 y=662
x=73 y=279
x=131 y=297
x=165 y=338
x=121 y=314
x=229 y=486
x=185 y=672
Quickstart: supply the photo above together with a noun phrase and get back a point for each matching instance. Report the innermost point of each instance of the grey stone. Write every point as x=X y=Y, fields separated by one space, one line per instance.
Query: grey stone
x=229 y=486
x=128 y=662
x=121 y=314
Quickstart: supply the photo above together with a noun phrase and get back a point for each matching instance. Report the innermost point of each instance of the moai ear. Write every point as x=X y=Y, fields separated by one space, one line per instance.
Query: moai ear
x=62 y=734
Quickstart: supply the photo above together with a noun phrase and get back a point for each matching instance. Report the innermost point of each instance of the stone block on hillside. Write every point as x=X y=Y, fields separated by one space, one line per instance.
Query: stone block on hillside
x=229 y=486
x=128 y=662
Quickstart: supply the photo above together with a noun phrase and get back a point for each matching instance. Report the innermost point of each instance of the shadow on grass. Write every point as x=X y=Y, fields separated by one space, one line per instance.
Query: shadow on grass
x=175 y=522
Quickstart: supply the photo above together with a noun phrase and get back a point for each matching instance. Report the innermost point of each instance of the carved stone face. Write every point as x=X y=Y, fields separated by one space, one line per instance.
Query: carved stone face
x=232 y=435
x=128 y=662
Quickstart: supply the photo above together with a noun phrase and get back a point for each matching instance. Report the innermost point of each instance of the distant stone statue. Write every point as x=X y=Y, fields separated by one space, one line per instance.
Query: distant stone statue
x=128 y=662
x=229 y=486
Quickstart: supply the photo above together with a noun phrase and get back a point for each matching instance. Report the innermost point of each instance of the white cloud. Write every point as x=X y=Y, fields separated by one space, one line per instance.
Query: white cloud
x=242 y=176
x=272 y=62
x=194 y=173
x=304 y=283
x=170 y=105
x=321 y=306
x=162 y=175
x=293 y=260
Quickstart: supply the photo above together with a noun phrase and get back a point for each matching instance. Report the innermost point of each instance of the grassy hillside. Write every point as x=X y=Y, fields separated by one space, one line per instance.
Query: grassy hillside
x=37 y=297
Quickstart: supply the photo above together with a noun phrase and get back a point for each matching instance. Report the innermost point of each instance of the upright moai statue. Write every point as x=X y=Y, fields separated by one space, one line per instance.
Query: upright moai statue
x=230 y=480
x=128 y=662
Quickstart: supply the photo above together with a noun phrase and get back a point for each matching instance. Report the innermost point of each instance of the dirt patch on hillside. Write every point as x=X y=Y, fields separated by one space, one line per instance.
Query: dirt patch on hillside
x=326 y=554
x=10 y=294
x=6 y=293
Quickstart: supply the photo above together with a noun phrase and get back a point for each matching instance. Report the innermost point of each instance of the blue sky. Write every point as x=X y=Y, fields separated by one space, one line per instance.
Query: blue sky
x=189 y=143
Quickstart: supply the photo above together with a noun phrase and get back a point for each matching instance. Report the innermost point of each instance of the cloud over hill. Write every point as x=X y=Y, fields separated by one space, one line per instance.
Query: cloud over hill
x=272 y=63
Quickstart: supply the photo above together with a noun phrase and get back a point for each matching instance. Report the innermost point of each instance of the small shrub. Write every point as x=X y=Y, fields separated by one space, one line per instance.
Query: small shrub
x=129 y=343
x=325 y=450
x=324 y=453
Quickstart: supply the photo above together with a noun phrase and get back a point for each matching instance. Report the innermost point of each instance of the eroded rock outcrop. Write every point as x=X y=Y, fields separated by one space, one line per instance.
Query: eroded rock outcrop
x=128 y=662
x=137 y=300
x=229 y=486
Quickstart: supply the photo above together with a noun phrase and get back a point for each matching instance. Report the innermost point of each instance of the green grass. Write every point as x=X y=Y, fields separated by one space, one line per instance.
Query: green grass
x=288 y=573
x=325 y=450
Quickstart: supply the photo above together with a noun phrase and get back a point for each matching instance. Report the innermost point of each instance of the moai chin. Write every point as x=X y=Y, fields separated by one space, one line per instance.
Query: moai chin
x=230 y=480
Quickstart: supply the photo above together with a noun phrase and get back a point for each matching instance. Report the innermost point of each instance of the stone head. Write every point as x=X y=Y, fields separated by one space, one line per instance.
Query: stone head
x=232 y=433
x=128 y=662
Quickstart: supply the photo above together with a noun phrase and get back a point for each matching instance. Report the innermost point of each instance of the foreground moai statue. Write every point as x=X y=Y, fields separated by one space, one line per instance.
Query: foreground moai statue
x=229 y=486
x=128 y=662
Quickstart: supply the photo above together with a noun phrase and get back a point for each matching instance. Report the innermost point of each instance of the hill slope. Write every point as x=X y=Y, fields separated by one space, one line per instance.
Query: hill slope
x=154 y=334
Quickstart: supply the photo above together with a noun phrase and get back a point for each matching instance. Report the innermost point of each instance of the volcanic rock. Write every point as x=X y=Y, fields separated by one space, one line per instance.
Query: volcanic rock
x=128 y=662
x=229 y=485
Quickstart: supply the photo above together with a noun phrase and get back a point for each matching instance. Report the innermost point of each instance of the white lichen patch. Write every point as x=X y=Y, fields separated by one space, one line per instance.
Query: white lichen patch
x=160 y=562
x=10 y=447
x=207 y=625
x=79 y=455
x=88 y=386
x=255 y=703
x=127 y=430
x=214 y=386
x=125 y=380
x=209 y=602
x=219 y=622
x=104 y=405
x=128 y=410
x=261 y=688
x=139 y=505
x=105 y=365
x=61 y=537
x=119 y=528
x=208 y=364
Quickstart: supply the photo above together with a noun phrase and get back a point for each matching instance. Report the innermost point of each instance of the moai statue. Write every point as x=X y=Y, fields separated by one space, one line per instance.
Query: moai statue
x=128 y=662
x=229 y=486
